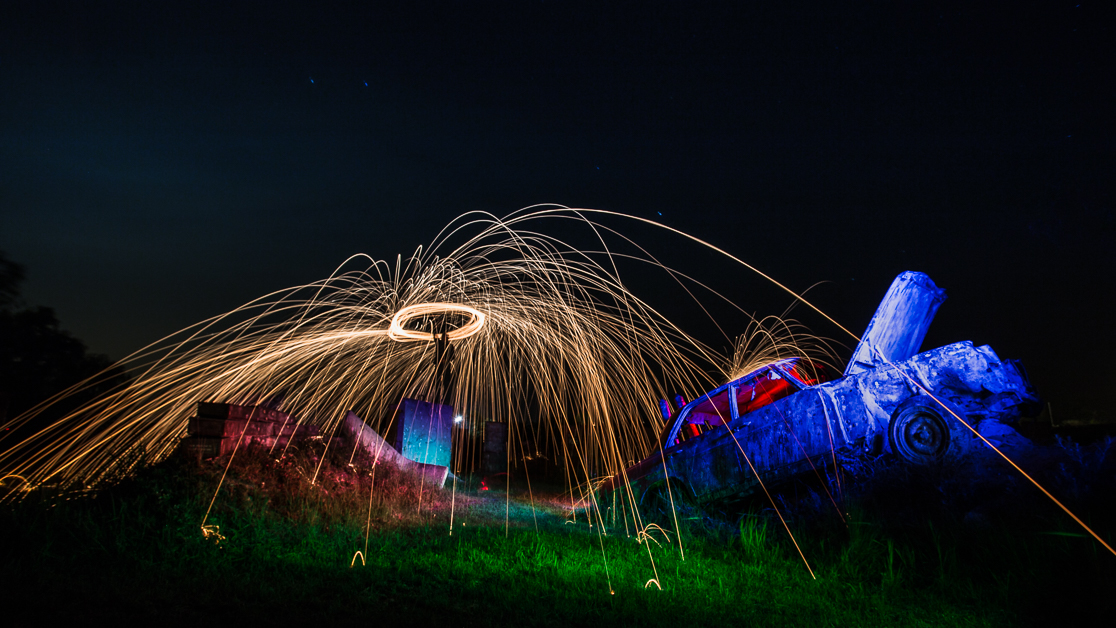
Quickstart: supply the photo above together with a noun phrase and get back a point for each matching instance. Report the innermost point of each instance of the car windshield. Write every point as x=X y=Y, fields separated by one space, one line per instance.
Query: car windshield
x=752 y=392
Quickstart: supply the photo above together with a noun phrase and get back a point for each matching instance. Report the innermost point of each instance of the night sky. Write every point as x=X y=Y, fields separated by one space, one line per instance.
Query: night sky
x=159 y=166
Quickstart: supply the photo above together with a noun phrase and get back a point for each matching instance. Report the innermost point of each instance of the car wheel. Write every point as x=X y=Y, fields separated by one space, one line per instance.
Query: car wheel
x=920 y=432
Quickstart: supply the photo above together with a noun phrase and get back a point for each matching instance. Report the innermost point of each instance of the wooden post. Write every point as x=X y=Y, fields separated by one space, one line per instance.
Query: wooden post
x=896 y=331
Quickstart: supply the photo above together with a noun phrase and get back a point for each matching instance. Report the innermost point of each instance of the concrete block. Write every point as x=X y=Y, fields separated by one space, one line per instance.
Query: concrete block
x=494 y=456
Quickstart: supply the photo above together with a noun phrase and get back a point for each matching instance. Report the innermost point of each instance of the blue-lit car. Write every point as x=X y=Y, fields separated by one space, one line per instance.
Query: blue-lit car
x=786 y=419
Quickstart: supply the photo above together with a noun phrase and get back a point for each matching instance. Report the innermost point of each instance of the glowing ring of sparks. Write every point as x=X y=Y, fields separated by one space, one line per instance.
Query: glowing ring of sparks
x=398 y=333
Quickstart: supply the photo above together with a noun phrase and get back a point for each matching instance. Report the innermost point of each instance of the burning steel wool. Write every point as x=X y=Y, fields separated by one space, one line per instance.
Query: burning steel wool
x=511 y=325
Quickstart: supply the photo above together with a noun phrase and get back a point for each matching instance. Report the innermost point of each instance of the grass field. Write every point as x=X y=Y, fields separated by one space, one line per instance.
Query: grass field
x=915 y=548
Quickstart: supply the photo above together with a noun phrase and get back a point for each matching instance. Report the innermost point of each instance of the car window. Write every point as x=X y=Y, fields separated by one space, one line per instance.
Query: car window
x=760 y=388
x=767 y=387
x=707 y=414
x=809 y=373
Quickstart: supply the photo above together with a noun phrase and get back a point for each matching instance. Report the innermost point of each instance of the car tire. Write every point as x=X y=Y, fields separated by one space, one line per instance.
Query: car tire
x=922 y=432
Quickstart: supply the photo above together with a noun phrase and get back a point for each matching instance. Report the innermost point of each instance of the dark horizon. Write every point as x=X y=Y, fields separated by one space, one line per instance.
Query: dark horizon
x=161 y=166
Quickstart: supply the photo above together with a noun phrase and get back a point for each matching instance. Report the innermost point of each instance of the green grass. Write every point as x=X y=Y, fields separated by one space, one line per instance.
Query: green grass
x=137 y=551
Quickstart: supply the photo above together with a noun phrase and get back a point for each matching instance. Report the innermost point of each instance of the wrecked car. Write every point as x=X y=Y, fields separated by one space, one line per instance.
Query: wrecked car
x=791 y=416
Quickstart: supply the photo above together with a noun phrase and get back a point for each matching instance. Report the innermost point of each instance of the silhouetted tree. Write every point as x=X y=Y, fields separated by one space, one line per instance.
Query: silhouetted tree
x=11 y=275
x=38 y=359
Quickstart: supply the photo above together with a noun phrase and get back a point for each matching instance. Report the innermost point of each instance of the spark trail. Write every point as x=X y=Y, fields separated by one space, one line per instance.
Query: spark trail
x=546 y=337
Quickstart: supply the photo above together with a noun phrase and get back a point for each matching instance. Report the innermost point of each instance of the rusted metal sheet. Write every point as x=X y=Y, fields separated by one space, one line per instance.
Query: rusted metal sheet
x=361 y=435
x=777 y=422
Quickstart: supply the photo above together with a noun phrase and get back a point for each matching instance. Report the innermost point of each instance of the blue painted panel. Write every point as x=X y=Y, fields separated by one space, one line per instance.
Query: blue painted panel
x=425 y=432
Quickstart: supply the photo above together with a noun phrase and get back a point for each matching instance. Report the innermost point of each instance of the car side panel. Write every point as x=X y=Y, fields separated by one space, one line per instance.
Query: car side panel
x=777 y=440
